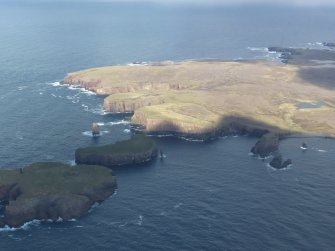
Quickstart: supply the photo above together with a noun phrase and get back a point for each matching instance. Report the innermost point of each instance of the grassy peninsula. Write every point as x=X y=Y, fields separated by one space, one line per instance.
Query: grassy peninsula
x=208 y=97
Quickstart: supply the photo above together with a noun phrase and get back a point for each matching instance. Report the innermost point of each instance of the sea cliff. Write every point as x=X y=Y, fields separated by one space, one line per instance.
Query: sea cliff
x=138 y=149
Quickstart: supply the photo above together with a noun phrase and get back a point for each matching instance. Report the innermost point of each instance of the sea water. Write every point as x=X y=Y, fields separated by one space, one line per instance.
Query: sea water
x=202 y=196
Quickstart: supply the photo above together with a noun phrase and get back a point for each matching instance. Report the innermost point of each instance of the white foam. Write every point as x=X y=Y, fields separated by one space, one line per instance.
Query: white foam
x=160 y=135
x=137 y=64
x=177 y=205
x=140 y=220
x=100 y=123
x=192 y=140
x=25 y=226
x=97 y=110
x=120 y=122
x=20 y=88
x=126 y=130
x=59 y=219
x=89 y=133
x=279 y=169
x=72 y=162
x=258 y=49
x=55 y=84
x=322 y=151
x=266 y=157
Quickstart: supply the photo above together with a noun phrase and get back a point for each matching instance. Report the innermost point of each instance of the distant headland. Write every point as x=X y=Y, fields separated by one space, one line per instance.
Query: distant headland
x=207 y=98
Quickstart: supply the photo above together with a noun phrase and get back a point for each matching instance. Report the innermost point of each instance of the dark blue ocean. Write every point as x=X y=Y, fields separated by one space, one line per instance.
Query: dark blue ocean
x=203 y=196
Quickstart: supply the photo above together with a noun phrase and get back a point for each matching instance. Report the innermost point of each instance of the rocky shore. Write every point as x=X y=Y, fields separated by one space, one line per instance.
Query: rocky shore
x=52 y=191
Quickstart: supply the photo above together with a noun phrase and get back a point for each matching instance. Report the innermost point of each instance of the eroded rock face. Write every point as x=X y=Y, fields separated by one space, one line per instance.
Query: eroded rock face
x=52 y=207
x=138 y=149
x=49 y=191
x=130 y=105
x=277 y=162
x=267 y=144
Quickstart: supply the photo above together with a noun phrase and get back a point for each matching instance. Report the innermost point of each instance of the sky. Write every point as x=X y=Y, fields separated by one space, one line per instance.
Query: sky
x=303 y=3
x=237 y=2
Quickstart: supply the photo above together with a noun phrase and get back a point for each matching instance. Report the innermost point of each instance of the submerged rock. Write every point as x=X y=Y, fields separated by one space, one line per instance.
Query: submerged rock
x=267 y=144
x=138 y=149
x=49 y=191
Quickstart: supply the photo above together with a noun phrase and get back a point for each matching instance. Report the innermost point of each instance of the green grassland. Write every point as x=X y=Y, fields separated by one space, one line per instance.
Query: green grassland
x=206 y=95
x=55 y=178
x=138 y=144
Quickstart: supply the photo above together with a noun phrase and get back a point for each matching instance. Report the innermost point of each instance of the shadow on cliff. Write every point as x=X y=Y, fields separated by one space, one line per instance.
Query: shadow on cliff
x=228 y=125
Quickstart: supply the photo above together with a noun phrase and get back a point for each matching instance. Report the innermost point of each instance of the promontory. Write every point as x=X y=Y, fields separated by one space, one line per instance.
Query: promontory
x=208 y=97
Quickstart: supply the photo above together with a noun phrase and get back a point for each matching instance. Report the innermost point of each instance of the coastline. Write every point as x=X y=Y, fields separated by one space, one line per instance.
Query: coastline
x=205 y=99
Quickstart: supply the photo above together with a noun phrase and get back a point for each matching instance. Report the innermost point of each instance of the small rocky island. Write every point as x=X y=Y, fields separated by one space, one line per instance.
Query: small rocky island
x=52 y=191
x=140 y=148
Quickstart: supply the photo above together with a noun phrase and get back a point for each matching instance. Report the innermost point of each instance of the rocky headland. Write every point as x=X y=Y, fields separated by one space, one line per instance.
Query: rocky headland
x=52 y=191
x=140 y=148
x=209 y=98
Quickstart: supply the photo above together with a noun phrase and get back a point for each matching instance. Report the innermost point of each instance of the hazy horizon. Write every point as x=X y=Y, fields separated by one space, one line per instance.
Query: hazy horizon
x=299 y=3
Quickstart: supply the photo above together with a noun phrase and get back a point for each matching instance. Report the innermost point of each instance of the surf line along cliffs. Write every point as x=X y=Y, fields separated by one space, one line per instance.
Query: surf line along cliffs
x=204 y=99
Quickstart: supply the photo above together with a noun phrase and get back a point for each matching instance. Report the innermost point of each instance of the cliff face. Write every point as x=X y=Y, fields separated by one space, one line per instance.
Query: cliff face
x=268 y=144
x=138 y=149
x=49 y=191
x=130 y=104
x=111 y=160
x=162 y=125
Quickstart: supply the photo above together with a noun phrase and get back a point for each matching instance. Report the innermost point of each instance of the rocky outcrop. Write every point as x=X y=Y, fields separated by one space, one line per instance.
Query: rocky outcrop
x=267 y=144
x=329 y=44
x=92 y=84
x=138 y=149
x=131 y=104
x=277 y=162
x=50 y=191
